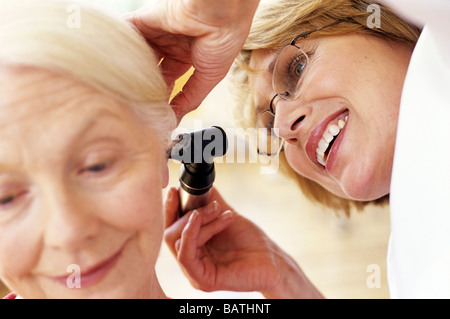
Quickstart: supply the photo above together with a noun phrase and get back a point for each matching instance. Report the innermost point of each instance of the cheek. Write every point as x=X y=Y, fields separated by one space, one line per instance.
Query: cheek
x=135 y=204
x=20 y=249
x=327 y=79
x=341 y=74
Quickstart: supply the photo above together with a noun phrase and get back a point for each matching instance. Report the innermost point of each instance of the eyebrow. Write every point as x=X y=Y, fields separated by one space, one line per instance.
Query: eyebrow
x=93 y=123
x=98 y=114
x=82 y=128
x=87 y=124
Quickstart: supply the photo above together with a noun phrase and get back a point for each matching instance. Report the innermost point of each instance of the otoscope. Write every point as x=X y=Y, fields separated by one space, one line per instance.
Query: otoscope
x=196 y=151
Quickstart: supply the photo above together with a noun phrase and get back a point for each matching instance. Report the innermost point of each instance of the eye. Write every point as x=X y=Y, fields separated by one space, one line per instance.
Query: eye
x=9 y=198
x=297 y=66
x=299 y=69
x=97 y=162
x=97 y=167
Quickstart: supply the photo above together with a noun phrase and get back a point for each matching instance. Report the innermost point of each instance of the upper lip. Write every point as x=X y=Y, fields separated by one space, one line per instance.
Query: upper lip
x=316 y=134
x=91 y=269
x=87 y=270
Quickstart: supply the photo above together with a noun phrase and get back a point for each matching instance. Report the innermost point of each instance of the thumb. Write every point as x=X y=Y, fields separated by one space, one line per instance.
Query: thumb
x=196 y=89
x=171 y=206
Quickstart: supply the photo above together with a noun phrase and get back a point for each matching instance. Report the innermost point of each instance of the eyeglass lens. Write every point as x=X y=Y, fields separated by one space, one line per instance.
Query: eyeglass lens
x=288 y=71
x=287 y=82
x=268 y=142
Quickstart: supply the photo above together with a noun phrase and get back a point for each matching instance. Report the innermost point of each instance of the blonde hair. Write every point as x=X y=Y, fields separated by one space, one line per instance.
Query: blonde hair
x=99 y=49
x=275 y=24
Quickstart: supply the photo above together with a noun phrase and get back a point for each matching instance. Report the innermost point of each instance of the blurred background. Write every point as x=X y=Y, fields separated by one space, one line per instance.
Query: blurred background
x=343 y=257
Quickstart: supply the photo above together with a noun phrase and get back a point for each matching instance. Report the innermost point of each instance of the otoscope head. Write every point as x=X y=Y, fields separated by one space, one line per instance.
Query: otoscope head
x=199 y=147
x=197 y=150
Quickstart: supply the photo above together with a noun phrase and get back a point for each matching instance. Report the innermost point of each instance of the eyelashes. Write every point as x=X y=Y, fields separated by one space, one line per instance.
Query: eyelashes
x=97 y=168
x=98 y=162
x=9 y=199
x=11 y=194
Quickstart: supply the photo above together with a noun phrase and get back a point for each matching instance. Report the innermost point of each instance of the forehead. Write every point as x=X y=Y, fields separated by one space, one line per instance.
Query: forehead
x=33 y=95
x=40 y=110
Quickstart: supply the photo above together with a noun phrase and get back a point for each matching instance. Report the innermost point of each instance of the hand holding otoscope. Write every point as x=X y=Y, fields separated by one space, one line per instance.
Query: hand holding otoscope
x=241 y=257
x=197 y=150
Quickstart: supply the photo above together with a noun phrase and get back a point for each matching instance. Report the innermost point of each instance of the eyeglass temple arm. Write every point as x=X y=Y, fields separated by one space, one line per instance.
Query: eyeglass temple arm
x=305 y=34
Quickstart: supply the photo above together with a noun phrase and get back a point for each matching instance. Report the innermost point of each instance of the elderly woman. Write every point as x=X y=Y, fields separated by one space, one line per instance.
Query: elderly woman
x=328 y=82
x=84 y=127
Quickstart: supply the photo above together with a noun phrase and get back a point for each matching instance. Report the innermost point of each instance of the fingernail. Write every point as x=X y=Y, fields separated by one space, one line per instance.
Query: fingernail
x=213 y=207
x=172 y=191
x=193 y=216
x=226 y=215
x=169 y=195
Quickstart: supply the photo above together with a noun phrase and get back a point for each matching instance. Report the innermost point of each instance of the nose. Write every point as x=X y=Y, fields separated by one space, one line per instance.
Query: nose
x=69 y=221
x=289 y=119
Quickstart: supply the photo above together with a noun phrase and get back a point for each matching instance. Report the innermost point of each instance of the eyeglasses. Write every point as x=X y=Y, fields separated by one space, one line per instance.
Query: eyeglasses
x=287 y=80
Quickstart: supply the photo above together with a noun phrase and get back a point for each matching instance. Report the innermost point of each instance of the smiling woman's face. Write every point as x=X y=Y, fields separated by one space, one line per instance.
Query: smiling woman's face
x=80 y=184
x=356 y=79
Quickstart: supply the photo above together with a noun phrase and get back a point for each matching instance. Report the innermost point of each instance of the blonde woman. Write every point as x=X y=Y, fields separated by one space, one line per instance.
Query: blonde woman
x=84 y=126
x=359 y=97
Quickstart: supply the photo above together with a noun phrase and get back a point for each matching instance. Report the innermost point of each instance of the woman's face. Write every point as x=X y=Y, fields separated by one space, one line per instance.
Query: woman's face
x=80 y=190
x=356 y=76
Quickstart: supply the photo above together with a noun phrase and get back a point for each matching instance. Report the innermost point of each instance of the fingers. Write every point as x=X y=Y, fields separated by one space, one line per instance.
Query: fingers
x=173 y=70
x=198 y=86
x=208 y=231
x=174 y=226
x=202 y=235
x=215 y=196
x=186 y=246
x=149 y=20
x=196 y=263
x=171 y=206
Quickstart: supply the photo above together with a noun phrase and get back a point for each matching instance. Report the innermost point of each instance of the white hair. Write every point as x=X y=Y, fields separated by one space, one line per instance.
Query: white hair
x=99 y=49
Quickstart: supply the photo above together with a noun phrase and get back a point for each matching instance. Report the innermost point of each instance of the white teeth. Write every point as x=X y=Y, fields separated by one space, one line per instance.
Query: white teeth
x=321 y=161
x=334 y=129
x=330 y=133
x=323 y=145
x=327 y=137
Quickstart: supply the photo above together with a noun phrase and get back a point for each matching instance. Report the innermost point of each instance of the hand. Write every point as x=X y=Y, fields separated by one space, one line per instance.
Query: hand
x=204 y=34
x=221 y=250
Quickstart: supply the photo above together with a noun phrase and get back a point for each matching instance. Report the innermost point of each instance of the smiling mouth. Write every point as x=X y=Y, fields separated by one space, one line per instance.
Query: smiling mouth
x=329 y=136
x=93 y=274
